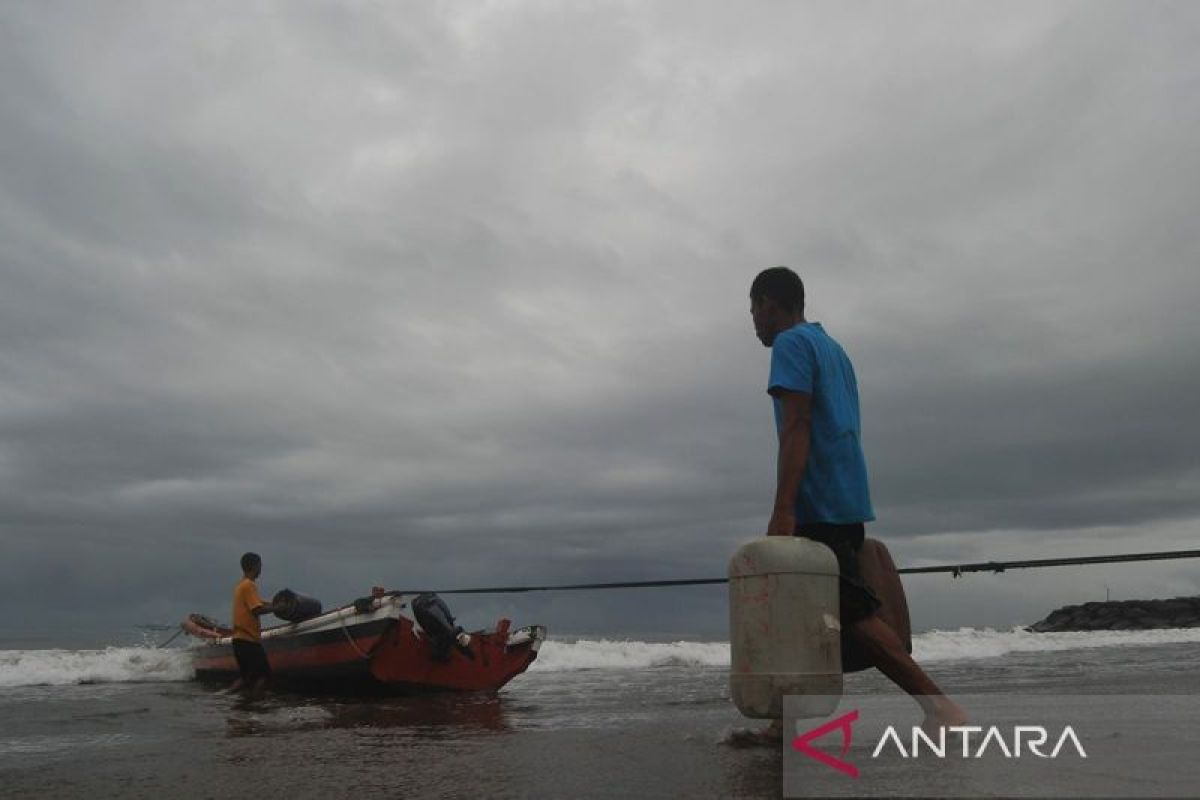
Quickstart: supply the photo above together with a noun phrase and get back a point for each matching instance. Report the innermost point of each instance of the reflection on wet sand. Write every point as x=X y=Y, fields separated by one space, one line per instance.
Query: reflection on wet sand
x=433 y=716
x=426 y=715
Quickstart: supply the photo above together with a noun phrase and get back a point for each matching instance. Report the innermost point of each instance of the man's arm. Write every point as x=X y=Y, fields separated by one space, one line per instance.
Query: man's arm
x=260 y=607
x=793 y=456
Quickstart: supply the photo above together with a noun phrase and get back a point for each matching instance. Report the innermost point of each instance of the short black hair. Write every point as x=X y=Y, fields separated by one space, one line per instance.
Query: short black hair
x=781 y=285
x=250 y=561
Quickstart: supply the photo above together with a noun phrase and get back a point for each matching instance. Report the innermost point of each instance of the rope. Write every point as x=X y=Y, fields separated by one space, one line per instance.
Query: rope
x=1001 y=566
x=956 y=570
x=175 y=636
x=578 y=586
x=350 y=639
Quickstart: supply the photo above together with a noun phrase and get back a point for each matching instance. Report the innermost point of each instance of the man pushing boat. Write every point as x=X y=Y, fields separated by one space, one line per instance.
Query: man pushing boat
x=821 y=490
x=253 y=668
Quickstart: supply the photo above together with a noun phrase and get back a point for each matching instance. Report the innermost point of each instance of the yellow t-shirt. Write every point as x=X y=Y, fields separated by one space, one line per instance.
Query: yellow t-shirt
x=245 y=600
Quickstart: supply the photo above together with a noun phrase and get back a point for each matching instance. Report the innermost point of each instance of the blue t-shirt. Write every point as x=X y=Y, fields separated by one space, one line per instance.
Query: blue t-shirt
x=806 y=359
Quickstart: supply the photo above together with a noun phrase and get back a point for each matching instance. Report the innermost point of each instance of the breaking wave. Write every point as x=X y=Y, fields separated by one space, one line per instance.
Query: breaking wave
x=148 y=664
x=110 y=665
x=967 y=644
x=964 y=644
x=558 y=656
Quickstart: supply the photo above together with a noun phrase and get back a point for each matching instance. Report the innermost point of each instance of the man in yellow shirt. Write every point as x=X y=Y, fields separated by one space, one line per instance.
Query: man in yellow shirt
x=247 y=608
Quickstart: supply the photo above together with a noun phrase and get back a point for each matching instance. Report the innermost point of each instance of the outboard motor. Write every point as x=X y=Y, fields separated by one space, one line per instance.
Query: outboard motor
x=435 y=619
x=294 y=607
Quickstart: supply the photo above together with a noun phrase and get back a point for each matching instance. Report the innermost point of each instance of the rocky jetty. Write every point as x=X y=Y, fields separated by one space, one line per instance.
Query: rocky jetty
x=1123 y=615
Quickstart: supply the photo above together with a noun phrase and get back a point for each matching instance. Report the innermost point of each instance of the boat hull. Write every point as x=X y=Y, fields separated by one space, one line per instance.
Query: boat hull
x=377 y=651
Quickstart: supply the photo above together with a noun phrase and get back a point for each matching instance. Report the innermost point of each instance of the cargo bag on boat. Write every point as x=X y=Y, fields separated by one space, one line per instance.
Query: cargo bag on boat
x=294 y=607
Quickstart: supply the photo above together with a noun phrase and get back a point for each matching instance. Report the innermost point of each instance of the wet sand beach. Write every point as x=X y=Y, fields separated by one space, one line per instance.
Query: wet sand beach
x=594 y=719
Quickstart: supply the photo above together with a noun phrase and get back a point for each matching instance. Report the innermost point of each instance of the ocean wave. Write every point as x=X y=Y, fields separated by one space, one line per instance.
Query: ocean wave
x=148 y=664
x=556 y=656
x=967 y=644
x=110 y=665
x=964 y=644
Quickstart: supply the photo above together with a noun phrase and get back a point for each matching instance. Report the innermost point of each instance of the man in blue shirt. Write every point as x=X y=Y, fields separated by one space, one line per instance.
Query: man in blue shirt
x=821 y=490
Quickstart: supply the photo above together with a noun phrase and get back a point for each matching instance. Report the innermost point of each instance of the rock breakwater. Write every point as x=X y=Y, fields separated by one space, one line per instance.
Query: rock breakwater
x=1123 y=615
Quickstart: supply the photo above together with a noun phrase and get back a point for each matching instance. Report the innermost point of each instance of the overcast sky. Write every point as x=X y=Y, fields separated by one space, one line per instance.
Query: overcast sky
x=445 y=294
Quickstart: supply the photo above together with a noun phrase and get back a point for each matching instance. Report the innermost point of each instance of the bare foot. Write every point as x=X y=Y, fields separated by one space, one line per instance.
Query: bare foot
x=769 y=736
x=945 y=713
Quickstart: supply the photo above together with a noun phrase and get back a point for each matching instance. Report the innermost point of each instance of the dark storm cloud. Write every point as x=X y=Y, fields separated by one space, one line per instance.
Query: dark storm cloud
x=453 y=295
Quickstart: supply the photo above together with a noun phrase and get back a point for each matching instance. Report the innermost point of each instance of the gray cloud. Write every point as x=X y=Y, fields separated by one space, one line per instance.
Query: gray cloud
x=458 y=295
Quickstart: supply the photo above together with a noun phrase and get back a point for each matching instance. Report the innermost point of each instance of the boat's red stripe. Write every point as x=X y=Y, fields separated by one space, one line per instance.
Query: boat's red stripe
x=297 y=660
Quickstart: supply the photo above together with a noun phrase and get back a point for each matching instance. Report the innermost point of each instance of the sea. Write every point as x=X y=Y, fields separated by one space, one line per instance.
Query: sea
x=594 y=717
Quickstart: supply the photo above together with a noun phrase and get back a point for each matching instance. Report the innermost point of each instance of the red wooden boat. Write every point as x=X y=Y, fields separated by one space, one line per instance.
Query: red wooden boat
x=373 y=645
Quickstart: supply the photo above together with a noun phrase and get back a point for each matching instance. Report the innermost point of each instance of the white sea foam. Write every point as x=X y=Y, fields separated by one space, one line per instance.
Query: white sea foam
x=558 y=656
x=967 y=644
x=110 y=665
x=146 y=664
x=960 y=645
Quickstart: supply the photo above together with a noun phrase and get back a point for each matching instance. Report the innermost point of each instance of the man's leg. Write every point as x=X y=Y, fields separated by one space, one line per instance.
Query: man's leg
x=260 y=668
x=239 y=658
x=889 y=656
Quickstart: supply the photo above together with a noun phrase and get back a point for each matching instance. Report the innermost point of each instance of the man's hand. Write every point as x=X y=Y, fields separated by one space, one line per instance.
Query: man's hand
x=783 y=523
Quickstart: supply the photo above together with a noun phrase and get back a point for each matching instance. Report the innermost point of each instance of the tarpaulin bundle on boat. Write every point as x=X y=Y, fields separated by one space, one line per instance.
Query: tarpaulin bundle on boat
x=434 y=617
x=295 y=607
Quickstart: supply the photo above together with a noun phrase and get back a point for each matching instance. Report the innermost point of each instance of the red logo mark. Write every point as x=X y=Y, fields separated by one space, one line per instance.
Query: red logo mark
x=843 y=723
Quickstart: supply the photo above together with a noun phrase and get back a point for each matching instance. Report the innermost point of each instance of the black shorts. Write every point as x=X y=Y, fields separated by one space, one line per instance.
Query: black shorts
x=251 y=660
x=858 y=601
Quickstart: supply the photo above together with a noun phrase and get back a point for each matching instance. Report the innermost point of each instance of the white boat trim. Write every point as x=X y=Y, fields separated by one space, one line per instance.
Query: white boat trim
x=387 y=607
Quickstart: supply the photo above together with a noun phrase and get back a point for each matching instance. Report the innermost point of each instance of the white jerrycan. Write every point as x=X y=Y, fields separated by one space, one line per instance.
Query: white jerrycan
x=784 y=632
